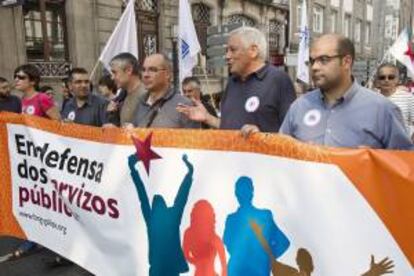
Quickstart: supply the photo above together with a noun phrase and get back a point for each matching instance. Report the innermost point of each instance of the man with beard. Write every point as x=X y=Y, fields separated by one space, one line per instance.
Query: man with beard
x=84 y=108
x=340 y=112
x=8 y=102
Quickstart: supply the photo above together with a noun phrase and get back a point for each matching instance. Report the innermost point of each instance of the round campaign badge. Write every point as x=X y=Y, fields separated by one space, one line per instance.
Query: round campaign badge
x=71 y=115
x=252 y=104
x=312 y=117
x=30 y=110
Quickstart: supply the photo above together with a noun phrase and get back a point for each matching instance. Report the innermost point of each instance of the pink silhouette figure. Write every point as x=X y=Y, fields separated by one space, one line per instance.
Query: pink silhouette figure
x=201 y=244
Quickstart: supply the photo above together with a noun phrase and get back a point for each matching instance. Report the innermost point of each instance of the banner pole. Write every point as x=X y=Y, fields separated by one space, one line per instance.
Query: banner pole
x=94 y=70
x=208 y=84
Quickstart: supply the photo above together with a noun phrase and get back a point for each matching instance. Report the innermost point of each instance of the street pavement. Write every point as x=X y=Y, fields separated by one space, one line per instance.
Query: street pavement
x=37 y=263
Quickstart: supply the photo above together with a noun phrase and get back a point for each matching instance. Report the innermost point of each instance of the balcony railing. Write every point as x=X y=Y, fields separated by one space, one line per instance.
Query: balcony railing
x=53 y=69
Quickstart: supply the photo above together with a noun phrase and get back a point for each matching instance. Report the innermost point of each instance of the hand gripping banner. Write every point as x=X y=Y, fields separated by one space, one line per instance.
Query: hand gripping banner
x=196 y=202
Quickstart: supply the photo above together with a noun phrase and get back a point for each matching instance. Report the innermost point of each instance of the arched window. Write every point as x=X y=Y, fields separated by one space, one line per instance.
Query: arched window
x=241 y=18
x=202 y=20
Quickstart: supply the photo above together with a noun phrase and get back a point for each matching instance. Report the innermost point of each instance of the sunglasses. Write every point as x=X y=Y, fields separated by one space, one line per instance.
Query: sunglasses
x=387 y=77
x=20 y=77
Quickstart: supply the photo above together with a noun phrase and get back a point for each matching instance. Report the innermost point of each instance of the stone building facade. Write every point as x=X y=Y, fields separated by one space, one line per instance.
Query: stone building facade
x=393 y=17
x=352 y=18
x=59 y=34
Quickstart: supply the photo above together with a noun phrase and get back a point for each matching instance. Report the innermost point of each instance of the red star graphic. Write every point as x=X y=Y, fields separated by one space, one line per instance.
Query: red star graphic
x=409 y=52
x=144 y=151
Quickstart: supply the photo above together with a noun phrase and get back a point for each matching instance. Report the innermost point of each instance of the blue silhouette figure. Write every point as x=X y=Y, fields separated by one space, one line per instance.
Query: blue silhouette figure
x=163 y=224
x=247 y=255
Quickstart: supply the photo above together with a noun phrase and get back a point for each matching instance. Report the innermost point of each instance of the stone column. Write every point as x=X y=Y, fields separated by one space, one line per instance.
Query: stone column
x=12 y=46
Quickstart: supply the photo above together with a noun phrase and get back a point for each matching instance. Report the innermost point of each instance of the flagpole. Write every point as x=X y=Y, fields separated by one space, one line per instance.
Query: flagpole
x=94 y=70
x=302 y=70
x=188 y=44
x=208 y=84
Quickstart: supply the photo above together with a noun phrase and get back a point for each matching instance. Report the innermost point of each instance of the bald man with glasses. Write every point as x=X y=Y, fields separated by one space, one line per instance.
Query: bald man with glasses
x=340 y=112
x=157 y=107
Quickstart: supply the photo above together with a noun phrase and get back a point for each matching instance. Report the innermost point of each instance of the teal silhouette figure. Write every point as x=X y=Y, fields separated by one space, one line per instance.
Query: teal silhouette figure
x=163 y=224
x=247 y=255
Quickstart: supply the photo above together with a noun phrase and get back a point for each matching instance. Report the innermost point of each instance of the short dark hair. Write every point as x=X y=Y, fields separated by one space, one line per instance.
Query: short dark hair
x=45 y=88
x=65 y=82
x=107 y=81
x=3 y=80
x=346 y=47
x=128 y=59
x=187 y=80
x=76 y=70
x=31 y=71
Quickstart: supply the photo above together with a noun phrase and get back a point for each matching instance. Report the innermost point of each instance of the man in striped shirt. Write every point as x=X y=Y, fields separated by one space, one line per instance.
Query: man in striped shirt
x=388 y=81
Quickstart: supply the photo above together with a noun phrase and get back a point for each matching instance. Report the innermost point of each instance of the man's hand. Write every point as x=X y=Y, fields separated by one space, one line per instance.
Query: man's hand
x=112 y=106
x=128 y=126
x=247 y=130
x=109 y=125
x=383 y=267
x=66 y=120
x=197 y=112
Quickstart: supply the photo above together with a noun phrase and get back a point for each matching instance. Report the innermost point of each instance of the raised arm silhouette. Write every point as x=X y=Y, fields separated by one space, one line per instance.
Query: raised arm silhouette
x=163 y=223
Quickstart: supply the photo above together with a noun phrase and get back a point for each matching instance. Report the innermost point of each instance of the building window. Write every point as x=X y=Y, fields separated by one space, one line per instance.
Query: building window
x=334 y=20
x=202 y=20
x=357 y=34
x=347 y=25
x=146 y=12
x=45 y=30
x=318 y=19
x=241 y=18
x=276 y=29
x=146 y=5
x=276 y=40
x=368 y=34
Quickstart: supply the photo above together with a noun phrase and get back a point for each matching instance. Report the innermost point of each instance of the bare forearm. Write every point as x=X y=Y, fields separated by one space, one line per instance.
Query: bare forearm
x=212 y=121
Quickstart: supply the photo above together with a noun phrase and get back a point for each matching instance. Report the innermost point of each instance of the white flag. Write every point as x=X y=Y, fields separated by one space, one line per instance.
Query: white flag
x=303 y=55
x=403 y=52
x=123 y=38
x=188 y=43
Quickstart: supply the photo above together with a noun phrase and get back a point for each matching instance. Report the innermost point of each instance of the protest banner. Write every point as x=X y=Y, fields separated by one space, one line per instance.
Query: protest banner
x=121 y=202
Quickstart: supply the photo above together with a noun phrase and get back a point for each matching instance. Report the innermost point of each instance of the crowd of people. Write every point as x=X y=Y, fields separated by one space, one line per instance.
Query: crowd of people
x=258 y=97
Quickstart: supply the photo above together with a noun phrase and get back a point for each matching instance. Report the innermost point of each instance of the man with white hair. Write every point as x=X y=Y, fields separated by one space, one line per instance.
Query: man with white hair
x=257 y=95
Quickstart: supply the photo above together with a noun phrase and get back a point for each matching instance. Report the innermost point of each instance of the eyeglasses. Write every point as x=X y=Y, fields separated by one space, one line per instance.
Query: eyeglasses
x=387 y=77
x=322 y=60
x=152 y=70
x=20 y=77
